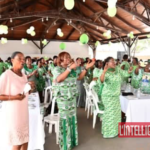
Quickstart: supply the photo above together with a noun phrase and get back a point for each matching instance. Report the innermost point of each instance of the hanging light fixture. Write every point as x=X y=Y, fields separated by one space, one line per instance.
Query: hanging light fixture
x=11 y=20
x=47 y=18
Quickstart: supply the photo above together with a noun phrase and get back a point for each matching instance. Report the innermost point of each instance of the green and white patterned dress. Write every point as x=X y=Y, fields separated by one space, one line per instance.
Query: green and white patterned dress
x=28 y=71
x=111 y=102
x=136 y=79
x=96 y=74
x=41 y=79
x=66 y=93
x=51 y=68
x=127 y=66
x=7 y=65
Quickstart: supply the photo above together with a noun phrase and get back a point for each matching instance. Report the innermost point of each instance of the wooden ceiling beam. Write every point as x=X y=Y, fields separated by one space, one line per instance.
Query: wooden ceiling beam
x=51 y=23
x=82 y=30
x=123 y=20
x=138 y=35
x=132 y=12
x=93 y=11
x=71 y=32
x=97 y=31
x=56 y=14
x=94 y=34
x=24 y=23
x=21 y=5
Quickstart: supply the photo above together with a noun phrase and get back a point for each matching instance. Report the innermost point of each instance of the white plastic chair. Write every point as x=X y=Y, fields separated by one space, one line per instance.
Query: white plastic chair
x=46 y=102
x=53 y=119
x=89 y=103
x=96 y=110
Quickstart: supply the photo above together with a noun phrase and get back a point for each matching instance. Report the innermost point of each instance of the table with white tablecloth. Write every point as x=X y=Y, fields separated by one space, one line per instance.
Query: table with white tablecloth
x=136 y=110
x=36 y=129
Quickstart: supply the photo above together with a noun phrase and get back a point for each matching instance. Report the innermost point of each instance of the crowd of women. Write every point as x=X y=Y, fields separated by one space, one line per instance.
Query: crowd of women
x=67 y=76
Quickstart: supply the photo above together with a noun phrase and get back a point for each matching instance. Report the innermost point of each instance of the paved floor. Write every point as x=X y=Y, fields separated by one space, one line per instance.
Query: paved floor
x=91 y=139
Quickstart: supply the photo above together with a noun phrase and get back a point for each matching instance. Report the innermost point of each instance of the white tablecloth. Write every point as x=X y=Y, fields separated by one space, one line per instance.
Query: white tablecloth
x=36 y=129
x=136 y=110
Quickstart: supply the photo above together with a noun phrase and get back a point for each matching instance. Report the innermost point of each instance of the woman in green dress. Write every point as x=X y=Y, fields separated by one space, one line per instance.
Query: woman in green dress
x=125 y=66
x=144 y=79
x=135 y=81
x=65 y=91
x=96 y=74
x=51 y=67
x=111 y=78
x=41 y=79
x=30 y=70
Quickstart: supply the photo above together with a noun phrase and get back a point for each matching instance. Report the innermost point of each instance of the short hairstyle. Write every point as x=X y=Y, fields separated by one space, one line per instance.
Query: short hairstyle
x=9 y=58
x=15 y=54
x=136 y=59
x=107 y=60
x=55 y=57
x=39 y=60
x=60 y=58
x=78 y=58
x=125 y=57
x=96 y=63
x=27 y=57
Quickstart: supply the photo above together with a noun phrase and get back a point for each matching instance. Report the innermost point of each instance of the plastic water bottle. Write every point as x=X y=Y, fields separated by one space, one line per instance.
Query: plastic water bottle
x=138 y=94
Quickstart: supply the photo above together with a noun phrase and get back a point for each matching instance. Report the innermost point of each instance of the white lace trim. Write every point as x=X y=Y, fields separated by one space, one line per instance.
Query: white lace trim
x=18 y=137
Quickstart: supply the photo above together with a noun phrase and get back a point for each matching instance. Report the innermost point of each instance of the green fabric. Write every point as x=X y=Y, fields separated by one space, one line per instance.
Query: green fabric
x=111 y=69
x=96 y=74
x=78 y=70
x=41 y=79
x=2 y=66
x=51 y=68
x=65 y=93
x=7 y=65
x=110 y=98
x=136 y=79
x=28 y=71
x=98 y=87
x=34 y=67
x=111 y=116
x=89 y=75
x=127 y=66
x=134 y=68
x=64 y=132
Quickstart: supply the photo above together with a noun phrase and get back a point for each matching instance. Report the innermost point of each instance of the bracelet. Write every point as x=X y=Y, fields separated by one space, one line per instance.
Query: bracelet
x=68 y=69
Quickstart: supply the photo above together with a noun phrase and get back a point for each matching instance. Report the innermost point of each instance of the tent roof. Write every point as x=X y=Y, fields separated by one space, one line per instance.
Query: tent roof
x=86 y=17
